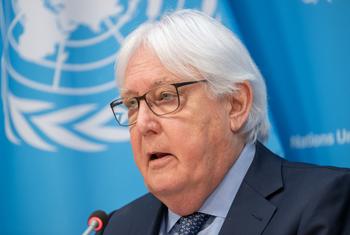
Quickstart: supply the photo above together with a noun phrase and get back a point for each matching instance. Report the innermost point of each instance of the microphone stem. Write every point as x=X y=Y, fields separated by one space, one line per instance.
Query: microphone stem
x=91 y=227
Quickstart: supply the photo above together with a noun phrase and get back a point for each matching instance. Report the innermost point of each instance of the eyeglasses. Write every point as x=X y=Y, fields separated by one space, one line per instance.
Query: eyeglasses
x=161 y=100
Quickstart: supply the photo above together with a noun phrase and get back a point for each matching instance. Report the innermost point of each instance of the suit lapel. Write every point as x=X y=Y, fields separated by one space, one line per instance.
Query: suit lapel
x=251 y=210
x=148 y=221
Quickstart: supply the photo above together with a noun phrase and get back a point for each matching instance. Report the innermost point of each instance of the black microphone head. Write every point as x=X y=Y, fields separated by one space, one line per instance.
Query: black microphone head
x=101 y=217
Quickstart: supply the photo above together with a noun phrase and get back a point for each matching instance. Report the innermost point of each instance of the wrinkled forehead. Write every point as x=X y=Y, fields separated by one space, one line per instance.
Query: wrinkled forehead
x=142 y=60
x=141 y=64
x=129 y=58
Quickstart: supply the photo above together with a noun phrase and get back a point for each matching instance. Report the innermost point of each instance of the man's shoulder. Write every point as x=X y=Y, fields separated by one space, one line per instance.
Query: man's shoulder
x=313 y=168
x=140 y=214
x=309 y=179
x=303 y=169
x=296 y=176
x=307 y=197
x=315 y=175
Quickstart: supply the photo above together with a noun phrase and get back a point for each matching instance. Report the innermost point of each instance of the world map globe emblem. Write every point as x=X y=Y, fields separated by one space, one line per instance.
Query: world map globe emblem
x=57 y=50
x=70 y=53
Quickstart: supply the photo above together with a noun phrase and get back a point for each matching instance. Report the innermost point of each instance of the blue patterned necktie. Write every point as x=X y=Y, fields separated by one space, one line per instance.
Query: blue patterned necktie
x=190 y=224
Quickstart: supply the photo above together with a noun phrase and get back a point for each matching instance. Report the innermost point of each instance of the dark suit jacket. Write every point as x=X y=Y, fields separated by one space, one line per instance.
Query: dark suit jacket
x=276 y=197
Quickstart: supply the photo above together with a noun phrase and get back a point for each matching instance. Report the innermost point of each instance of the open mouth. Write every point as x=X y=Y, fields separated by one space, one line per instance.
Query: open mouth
x=158 y=155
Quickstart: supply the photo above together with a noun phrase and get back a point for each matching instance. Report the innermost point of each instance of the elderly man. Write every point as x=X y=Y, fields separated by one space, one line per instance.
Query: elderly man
x=195 y=104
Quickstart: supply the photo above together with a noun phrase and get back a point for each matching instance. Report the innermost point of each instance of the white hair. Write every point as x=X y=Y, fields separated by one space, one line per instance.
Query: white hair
x=189 y=42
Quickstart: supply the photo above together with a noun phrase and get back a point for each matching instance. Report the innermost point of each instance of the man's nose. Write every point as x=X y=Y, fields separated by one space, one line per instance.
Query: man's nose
x=147 y=122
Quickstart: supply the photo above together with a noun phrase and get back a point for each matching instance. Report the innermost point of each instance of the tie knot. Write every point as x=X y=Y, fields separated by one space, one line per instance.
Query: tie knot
x=190 y=224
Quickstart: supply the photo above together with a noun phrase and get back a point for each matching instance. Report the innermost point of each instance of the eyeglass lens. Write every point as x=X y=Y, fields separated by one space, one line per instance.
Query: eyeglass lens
x=161 y=100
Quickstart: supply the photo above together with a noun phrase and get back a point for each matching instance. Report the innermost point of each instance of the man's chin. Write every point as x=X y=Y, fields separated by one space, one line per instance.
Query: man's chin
x=161 y=187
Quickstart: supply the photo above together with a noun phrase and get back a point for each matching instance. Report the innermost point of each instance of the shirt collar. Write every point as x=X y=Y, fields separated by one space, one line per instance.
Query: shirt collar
x=219 y=202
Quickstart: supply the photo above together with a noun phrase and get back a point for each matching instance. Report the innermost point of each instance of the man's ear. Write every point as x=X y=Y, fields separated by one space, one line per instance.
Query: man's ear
x=240 y=105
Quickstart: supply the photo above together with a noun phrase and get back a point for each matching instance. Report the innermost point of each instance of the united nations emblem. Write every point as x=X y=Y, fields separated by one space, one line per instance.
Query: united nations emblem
x=57 y=69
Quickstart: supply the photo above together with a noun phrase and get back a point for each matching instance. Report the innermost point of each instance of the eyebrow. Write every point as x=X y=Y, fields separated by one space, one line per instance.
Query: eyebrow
x=126 y=92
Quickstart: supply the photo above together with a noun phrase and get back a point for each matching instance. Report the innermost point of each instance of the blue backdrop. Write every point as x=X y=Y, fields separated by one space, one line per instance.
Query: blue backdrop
x=303 y=50
x=62 y=154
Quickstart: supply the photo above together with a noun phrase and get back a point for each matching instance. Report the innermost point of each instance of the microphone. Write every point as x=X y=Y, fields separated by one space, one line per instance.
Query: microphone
x=97 y=221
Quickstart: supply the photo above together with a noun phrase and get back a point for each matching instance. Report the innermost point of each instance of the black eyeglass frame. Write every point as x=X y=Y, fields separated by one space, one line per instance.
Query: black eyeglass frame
x=119 y=101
